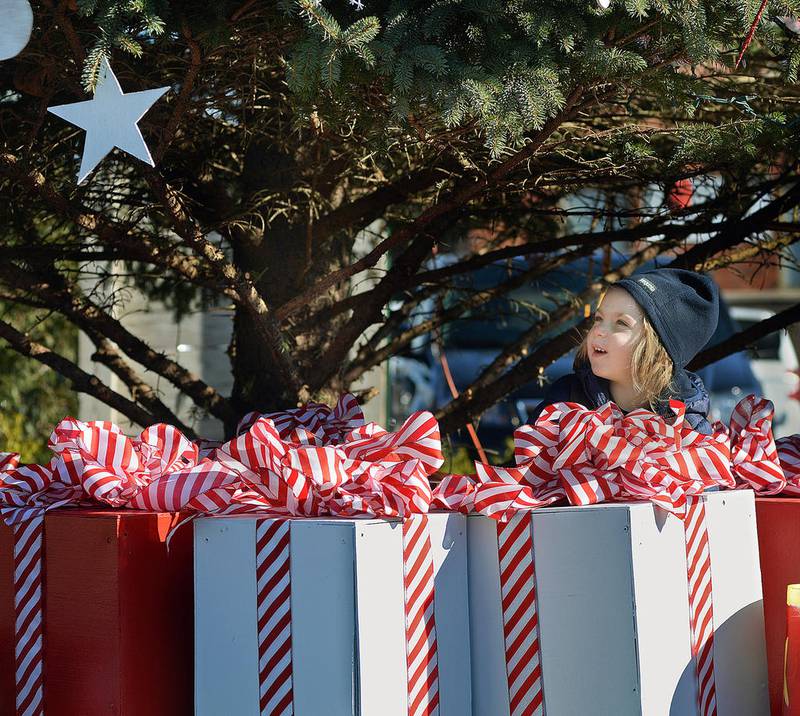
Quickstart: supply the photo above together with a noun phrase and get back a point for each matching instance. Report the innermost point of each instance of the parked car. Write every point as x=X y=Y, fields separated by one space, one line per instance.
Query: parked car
x=772 y=360
x=732 y=378
x=471 y=343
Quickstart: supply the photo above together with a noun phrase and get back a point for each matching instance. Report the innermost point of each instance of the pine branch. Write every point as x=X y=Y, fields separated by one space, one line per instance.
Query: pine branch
x=134 y=244
x=597 y=239
x=58 y=295
x=58 y=12
x=364 y=210
x=187 y=86
x=141 y=392
x=429 y=221
x=657 y=226
x=371 y=353
x=239 y=287
x=746 y=338
x=454 y=200
x=31 y=292
x=404 y=266
x=735 y=232
x=81 y=381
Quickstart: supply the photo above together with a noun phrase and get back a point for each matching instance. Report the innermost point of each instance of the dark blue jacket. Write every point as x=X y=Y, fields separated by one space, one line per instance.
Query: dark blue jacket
x=585 y=388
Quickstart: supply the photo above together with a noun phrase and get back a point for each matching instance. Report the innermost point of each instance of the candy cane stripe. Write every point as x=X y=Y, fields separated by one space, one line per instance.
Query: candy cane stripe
x=701 y=608
x=520 y=617
x=421 y=656
x=273 y=585
x=519 y=625
x=520 y=666
x=279 y=701
x=28 y=611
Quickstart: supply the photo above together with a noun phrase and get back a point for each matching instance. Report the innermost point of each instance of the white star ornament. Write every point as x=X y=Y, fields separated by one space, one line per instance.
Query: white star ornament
x=110 y=120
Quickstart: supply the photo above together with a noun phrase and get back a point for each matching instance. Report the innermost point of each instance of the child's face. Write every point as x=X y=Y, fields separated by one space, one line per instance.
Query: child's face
x=615 y=332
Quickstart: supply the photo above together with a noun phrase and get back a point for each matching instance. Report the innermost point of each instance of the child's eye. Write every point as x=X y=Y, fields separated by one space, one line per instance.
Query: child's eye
x=622 y=323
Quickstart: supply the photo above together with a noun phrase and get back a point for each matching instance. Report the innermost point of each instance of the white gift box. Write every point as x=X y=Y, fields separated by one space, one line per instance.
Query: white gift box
x=613 y=607
x=346 y=614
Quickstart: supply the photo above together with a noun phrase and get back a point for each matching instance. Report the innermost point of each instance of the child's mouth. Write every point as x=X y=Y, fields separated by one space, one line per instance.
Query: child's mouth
x=597 y=352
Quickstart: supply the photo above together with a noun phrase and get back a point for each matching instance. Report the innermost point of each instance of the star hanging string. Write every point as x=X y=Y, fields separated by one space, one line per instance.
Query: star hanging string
x=110 y=120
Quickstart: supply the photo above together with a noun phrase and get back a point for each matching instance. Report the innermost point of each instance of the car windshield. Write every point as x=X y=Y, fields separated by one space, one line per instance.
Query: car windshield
x=504 y=319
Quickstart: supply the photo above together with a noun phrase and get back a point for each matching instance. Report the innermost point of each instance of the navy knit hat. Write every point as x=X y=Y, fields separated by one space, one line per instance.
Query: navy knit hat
x=682 y=306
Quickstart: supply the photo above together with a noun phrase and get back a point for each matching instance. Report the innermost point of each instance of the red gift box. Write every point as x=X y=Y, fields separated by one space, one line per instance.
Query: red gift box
x=118 y=624
x=779 y=550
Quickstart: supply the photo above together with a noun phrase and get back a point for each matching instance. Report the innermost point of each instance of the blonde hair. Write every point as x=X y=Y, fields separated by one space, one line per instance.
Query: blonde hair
x=651 y=367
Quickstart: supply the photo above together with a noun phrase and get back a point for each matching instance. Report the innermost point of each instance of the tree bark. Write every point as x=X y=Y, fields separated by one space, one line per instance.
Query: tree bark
x=280 y=266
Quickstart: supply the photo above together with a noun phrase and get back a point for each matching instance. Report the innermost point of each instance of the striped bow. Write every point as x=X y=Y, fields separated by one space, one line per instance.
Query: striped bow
x=371 y=473
x=754 y=455
x=583 y=456
x=312 y=424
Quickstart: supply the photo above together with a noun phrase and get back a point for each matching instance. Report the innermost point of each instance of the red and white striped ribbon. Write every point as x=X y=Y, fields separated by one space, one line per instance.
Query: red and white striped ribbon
x=273 y=583
x=29 y=616
x=789 y=454
x=520 y=616
x=274 y=591
x=422 y=661
x=313 y=423
x=701 y=606
x=754 y=455
x=455 y=493
x=588 y=456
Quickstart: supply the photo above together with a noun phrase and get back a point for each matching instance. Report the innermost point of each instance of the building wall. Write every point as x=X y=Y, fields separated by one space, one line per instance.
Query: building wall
x=199 y=342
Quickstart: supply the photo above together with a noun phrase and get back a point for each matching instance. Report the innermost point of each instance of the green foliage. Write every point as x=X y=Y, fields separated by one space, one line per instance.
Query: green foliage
x=504 y=66
x=125 y=25
x=300 y=108
x=459 y=459
x=32 y=397
x=793 y=63
x=751 y=139
x=318 y=60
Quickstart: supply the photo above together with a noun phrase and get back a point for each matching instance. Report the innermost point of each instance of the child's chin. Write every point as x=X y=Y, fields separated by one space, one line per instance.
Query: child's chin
x=598 y=370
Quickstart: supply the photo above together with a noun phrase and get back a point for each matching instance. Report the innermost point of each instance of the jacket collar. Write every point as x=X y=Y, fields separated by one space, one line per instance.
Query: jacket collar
x=687 y=387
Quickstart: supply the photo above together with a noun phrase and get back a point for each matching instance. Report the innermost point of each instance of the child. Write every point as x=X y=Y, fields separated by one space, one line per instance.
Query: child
x=645 y=330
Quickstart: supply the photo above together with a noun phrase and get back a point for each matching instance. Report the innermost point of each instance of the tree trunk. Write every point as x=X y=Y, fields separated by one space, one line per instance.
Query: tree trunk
x=282 y=264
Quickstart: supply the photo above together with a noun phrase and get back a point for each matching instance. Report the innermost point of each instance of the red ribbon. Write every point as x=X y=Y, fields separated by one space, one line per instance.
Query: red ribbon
x=371 y=473
x=317 y=461
x=312 y=461
x=583 y=456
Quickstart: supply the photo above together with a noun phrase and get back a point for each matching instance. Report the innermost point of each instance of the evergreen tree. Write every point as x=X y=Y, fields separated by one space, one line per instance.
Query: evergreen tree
x=294 y=128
